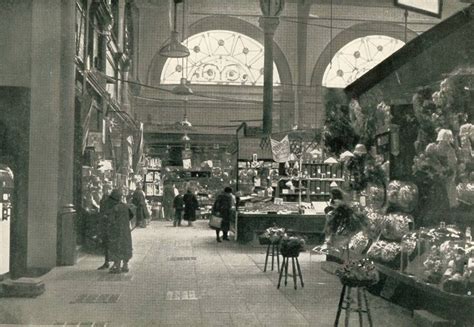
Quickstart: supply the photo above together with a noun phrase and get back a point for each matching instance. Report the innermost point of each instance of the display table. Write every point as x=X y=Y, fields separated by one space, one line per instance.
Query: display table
x=249 y=224
x=417 y=294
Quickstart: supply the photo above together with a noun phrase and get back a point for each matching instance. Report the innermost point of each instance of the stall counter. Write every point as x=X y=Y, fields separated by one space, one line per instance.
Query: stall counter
x=251 y=224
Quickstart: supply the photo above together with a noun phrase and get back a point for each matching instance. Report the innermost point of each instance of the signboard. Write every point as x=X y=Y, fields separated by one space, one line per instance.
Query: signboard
x=281 y=150
x=426 y=7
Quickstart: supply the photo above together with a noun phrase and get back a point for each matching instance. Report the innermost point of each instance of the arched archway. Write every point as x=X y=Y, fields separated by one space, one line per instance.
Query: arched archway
x=357 y=31
x=218 y=22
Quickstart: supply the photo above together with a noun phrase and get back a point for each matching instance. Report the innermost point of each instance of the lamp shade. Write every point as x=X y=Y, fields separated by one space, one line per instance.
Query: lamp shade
x=185 y=138
x=174 y=49
x=186 y=123
x=182 y=88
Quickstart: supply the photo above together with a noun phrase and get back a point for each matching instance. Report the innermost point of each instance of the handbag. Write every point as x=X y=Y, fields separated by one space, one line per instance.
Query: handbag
x=215 y=222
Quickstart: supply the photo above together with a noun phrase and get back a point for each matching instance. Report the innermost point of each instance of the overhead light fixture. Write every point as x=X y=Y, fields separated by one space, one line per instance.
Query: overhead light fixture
x=174 y=48
x=186 y=123
x=185 y=138
x=182 y=88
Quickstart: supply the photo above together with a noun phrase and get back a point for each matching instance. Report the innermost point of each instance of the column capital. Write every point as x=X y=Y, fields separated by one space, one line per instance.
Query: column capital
x=269 y=24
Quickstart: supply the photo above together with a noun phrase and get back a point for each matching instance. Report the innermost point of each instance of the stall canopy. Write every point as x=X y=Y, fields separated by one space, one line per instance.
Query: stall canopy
x=423 y=61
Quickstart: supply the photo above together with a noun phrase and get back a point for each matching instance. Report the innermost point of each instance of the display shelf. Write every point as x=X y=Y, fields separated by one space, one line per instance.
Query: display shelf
x=151 y=183
x=316 y=187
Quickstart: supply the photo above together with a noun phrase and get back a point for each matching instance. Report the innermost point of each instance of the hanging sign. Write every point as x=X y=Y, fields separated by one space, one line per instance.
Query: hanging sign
x=427 y=7
x=187 y=164
x=281 y=149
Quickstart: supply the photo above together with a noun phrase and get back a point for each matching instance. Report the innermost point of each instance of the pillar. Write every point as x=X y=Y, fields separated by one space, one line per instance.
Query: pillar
x=269 y=25
x=120 y=22
x=301 y=51
x=51 y=126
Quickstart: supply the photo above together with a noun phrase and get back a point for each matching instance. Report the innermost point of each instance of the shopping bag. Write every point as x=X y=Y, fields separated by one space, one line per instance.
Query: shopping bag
x=215 y=222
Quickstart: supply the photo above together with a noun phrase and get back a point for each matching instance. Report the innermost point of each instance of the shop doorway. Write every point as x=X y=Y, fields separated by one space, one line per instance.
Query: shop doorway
x=6 y=196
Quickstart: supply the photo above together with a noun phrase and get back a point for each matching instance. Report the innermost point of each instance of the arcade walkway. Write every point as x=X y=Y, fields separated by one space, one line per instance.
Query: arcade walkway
x=183 y=277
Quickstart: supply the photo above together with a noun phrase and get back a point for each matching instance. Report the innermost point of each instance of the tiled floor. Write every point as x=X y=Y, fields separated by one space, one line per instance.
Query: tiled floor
x=222 y=285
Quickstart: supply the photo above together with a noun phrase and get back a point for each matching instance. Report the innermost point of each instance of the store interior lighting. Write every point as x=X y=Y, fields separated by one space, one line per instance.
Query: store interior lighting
x=174 y=49
x=182 y=88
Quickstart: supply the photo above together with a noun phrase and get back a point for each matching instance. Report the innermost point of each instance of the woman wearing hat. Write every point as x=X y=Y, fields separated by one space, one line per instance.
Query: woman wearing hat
x=120 y=237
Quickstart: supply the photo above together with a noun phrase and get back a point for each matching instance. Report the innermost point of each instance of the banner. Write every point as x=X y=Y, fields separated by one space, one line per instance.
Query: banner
x=281 y=149
x=187 y=164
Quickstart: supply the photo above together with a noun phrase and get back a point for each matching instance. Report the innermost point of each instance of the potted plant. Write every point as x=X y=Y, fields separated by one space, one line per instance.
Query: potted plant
x=272 y=235
x=291 y=246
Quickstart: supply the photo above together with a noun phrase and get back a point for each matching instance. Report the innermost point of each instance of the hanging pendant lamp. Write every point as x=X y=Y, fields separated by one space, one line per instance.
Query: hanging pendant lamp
x=174 y=49
x=185 y=138
x=182 y=88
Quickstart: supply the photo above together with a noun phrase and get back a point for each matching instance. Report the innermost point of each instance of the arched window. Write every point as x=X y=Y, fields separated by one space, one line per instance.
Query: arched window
x=358 y=57
x=219 y=57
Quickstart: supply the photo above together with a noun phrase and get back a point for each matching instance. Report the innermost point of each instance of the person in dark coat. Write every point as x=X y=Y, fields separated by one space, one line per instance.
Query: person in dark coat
x=190 y=206
x=139 y=201
x=178 y=205
x=223 y=207
x=106 y=204
x=120 y=236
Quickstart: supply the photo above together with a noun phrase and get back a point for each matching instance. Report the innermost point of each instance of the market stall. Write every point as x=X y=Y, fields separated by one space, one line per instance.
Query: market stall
x=289 y=193
x=410 y=120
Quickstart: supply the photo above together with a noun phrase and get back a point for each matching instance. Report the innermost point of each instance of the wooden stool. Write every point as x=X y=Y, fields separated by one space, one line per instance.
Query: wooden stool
x=345 y=304
x=296 y=270
x=275 y=252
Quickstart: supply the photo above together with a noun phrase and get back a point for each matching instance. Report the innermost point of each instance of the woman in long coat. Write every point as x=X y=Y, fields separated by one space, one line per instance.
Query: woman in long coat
x=120 y=237
x=223 y=208
x=190 y=206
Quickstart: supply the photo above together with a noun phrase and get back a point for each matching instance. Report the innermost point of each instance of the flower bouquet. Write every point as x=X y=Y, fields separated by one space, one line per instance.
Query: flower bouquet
x=272 y=235
x=291 y=246
x=360 y=273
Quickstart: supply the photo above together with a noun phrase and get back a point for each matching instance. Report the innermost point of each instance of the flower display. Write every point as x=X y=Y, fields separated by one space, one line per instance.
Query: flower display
x=291 y=246
x=375 y=222
x=358 y=273
x=408 y=243
x=274 y=234
x=358 y=243
x=402 y=195
x=433 y=266
x=396 y=225
x=465 y=193
x=383 y=251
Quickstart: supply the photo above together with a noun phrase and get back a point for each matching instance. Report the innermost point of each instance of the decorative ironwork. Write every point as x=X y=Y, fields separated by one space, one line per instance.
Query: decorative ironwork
x=358 y=57
x=219 y=57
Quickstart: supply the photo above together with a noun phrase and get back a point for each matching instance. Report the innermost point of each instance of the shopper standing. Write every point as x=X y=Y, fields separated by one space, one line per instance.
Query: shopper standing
x=223 y=208
x=168 y=196
x=120 y=237
x=139 y=201
x=178 y=205
x=190 y=206
x=106 y=204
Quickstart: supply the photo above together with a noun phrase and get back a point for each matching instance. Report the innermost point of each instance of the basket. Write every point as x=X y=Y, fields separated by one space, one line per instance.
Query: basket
x=351 y=282
x=290 y=252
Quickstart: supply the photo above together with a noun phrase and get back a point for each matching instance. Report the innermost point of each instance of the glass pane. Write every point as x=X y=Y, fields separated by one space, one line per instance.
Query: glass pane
x=219 y=57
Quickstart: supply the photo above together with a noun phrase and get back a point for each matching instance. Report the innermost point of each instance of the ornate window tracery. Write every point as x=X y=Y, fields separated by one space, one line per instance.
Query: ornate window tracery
x=358 y=57
x=219 y=57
